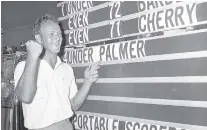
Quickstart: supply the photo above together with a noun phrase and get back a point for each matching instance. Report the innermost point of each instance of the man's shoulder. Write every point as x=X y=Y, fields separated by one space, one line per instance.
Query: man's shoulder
x=21 y=64
x=19 y=69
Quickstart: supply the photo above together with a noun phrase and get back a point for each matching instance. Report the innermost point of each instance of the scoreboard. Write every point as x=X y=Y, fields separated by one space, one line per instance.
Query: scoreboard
x=153 y=72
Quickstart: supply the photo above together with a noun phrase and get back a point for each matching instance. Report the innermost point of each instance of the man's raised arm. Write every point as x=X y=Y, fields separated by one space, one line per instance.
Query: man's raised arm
x=27 y=84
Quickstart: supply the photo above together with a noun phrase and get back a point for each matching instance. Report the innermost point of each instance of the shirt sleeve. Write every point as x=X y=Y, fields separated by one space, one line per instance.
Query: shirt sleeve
x=18 y=72
x=73 y=87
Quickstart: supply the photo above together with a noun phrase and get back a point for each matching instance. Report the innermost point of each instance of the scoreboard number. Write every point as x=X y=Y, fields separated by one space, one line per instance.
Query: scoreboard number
x=115 y=28
x=114 y=10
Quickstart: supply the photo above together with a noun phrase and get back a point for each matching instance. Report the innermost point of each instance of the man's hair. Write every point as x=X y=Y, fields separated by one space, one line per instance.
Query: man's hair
x=41 y=20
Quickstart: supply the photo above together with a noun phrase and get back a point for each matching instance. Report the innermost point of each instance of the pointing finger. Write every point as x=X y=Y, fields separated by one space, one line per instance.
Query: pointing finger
x=96 y=66
x=88 y=68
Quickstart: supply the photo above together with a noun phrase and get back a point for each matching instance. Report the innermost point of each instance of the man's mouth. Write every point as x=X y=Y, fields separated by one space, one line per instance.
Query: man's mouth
x=56 y=44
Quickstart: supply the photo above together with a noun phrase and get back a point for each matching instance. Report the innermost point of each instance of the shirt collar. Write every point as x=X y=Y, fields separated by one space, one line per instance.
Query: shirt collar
x=58 y=63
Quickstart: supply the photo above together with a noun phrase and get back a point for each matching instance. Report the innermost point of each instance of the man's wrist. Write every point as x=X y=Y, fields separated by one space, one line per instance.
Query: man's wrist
x=87 y=82
x=33 y=57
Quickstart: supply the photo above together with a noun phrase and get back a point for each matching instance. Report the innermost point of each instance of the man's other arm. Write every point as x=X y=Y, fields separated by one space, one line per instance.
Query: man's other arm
x=91 y=76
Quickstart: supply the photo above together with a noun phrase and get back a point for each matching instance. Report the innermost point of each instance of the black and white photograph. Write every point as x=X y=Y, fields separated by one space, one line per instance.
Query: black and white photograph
x=104 y=65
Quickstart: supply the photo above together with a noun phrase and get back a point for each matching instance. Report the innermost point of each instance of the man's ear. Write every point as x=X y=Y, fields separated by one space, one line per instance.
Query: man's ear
x=38 y=38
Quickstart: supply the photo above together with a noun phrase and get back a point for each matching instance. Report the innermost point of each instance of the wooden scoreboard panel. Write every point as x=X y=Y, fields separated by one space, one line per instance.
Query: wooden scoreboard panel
x=147 y=81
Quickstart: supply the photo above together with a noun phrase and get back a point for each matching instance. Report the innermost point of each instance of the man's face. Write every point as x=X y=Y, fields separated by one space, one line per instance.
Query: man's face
x=51 y=37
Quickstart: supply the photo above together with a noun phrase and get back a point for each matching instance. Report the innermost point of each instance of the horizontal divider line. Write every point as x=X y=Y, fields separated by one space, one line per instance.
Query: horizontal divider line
x=132 y=119
x=179 y=79
x=175 y=56
x=185 y=103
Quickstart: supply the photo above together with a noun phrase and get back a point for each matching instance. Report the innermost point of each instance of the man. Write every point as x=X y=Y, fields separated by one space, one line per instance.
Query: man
x=45 y=85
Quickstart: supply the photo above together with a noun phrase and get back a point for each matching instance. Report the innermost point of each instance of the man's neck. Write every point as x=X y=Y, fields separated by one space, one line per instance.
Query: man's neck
x=51 y=59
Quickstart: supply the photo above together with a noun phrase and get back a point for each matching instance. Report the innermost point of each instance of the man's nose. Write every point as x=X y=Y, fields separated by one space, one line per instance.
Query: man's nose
x=57 y=37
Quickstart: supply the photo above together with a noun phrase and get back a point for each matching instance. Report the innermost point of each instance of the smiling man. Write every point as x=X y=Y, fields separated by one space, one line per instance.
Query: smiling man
x=45 y=85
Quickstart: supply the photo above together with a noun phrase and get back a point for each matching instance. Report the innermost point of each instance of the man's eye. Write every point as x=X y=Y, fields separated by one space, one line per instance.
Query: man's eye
x=51 y=34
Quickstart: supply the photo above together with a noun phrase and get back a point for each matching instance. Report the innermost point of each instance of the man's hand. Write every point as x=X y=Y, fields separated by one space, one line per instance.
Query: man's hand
x=91 y=73
x=34 y=48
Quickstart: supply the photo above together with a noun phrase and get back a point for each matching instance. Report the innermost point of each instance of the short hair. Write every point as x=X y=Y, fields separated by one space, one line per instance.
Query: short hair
x=41 y=20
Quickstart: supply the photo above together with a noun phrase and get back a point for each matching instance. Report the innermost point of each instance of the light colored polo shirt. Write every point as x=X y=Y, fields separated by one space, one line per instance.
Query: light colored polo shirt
x=55 y=88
